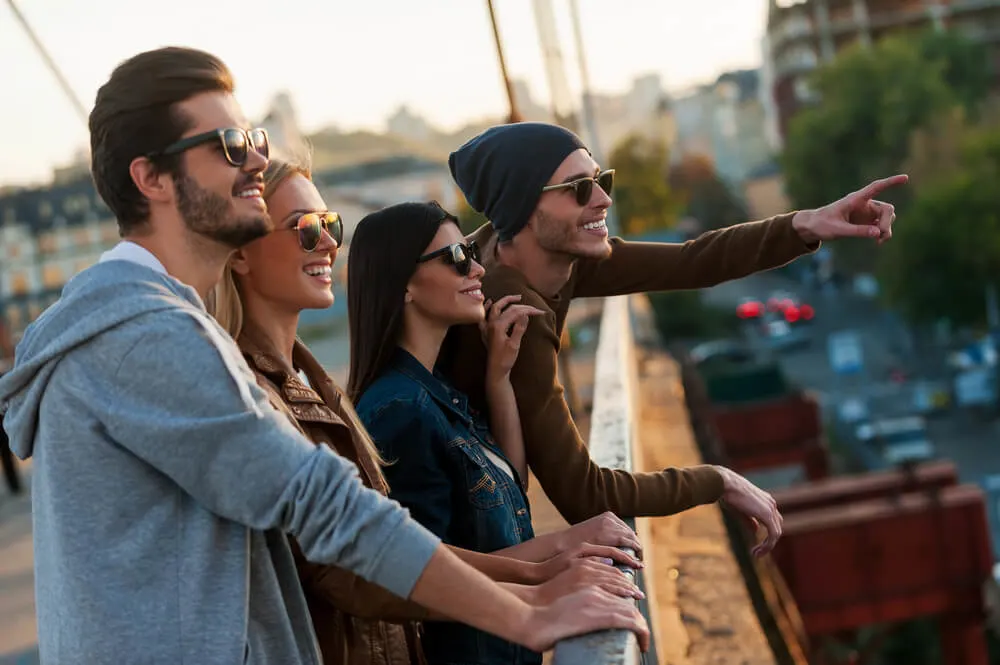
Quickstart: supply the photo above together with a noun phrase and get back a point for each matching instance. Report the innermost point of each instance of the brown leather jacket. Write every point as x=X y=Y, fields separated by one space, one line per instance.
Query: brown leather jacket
x=356 y=622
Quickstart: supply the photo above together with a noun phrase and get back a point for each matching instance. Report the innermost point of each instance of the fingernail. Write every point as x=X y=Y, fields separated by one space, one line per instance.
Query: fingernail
x=607 y=561
x=639 y=594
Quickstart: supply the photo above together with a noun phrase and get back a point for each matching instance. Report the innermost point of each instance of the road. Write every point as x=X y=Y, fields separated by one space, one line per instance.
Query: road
x=969 y=441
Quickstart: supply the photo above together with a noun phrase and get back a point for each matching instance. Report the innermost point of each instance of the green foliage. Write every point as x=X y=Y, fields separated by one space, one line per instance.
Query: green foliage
x=643 y=199
x=940 y=262
x=705 y=196
x=468 y=219
x=873 y=100
x=683 y=315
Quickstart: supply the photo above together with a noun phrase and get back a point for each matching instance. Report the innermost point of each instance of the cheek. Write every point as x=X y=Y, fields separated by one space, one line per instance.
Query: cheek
x=274 y=260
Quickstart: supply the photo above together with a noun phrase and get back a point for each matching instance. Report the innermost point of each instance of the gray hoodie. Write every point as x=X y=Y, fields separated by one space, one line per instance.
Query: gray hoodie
x=162 y=483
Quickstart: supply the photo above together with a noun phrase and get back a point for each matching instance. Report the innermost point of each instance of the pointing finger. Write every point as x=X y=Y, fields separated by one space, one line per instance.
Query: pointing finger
x=873 y=189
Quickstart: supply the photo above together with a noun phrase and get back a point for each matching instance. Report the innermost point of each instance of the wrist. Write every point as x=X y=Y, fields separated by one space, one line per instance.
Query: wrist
x=802 y=223
x=727 y=478
x=535 y=573
x=497 y=379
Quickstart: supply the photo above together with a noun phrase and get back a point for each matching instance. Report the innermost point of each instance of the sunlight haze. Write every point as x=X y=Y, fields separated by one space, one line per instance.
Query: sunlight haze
x=351 y=64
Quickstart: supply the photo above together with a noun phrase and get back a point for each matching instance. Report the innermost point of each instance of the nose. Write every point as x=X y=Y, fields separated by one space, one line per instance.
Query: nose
x=256 y=163
x=476 y=270
x=600 y=199
x=327 y=244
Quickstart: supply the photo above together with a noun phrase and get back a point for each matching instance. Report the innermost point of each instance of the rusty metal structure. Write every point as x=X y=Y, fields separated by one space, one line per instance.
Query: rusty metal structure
x=860 y=550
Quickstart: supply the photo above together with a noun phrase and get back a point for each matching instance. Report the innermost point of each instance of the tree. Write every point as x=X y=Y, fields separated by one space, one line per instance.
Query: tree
x=468 y=219
x=706 y=197
x=643 y=198
x=873 y=100
x=950 y=250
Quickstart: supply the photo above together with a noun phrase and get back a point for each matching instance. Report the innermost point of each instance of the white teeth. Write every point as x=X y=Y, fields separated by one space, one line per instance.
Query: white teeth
x=593 y=226
x=317 y=271
x=249 y=194
x=475 y=292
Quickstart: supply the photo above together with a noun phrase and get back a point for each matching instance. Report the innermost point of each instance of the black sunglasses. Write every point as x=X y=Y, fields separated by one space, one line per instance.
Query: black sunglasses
x=310 y=228
x=459 y=255
x=236 y=144
x=584 y=187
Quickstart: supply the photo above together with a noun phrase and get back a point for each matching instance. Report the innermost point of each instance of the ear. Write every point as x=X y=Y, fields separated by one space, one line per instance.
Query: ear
x=238 y=262
x=152 y=183
x=407 y=297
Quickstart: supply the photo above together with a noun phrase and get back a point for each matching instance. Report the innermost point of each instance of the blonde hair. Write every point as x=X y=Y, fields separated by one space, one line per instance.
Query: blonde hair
x=225 y=303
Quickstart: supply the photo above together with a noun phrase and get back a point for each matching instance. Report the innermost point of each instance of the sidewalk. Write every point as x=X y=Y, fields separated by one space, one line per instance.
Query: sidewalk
x=17 y=592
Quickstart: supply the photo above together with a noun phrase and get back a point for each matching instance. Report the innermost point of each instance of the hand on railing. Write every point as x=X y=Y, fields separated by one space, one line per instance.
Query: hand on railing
x=584 y=574
x=583 y=612
x=604 y=529
x=580 y=553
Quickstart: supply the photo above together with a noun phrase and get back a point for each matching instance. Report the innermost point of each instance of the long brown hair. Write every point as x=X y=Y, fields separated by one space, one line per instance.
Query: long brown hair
x=225 y=303
x=383 y=257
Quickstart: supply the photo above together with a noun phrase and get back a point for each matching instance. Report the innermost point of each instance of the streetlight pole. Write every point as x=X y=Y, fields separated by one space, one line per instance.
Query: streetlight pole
x=514 y=115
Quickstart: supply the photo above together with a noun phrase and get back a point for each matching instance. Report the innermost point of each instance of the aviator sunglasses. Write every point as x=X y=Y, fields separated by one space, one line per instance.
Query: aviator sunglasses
x=584 y=187
x=310 y=228
x=236 y=144
x=459 y=255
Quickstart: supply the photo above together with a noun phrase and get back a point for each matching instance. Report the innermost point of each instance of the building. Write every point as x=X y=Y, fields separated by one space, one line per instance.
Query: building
x=726 y=122
x=802 y=34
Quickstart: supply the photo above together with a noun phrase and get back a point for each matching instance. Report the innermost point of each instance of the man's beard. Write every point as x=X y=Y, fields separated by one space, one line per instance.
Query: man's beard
x=558 y=237
x=212 y=216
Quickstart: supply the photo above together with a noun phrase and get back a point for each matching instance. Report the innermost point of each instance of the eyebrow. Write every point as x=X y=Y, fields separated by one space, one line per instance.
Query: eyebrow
x=578 y=176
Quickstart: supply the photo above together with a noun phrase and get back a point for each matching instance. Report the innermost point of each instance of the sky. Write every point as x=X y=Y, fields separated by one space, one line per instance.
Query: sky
x=351 y=63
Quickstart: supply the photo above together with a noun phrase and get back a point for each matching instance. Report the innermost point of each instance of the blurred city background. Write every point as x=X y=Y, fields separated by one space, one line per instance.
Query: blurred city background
x=712 y=112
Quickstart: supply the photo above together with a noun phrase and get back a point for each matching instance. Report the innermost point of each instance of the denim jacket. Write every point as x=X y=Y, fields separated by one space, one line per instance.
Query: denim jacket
x=433 y=444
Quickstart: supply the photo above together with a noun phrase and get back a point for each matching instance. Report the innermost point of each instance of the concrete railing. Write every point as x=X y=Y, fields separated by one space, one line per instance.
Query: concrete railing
x=612 y=436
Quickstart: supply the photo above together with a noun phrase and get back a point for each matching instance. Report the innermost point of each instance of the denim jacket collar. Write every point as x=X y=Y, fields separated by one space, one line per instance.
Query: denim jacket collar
x=451 y=400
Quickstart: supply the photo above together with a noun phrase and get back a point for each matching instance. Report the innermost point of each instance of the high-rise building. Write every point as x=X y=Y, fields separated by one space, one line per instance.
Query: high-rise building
x=802 y=34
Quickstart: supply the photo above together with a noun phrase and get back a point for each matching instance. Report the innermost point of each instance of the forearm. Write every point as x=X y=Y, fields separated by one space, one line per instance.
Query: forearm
x=711 y=258
x=505 y=423
x=453 y=590
x=500 y=567
x=538 y=549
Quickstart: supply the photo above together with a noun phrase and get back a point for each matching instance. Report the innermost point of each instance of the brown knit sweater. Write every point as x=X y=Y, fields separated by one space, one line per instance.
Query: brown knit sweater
x=556 y=453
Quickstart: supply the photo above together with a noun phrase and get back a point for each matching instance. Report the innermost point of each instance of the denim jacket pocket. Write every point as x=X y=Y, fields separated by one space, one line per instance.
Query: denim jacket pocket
x=484 y=490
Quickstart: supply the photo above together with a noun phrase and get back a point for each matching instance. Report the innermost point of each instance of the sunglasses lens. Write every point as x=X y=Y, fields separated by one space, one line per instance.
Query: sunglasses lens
x=474 y=252
x=606 y=181
x=335 y=227
x=460 y=258
x=584 y=188
x=310 y=230
x=235 y=143
x=258 y=137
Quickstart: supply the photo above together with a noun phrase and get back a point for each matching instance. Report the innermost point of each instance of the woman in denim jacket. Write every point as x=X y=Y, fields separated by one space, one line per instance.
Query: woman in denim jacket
x=410 y=278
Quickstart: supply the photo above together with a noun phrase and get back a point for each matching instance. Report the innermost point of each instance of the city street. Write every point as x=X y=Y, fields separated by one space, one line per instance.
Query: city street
x=968 y=440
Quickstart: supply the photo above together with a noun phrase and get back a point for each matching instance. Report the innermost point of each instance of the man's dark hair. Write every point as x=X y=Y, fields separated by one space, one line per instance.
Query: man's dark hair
x=135 y=114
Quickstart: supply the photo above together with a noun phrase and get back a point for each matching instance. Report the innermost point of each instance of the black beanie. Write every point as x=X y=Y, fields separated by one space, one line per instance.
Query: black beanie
x=502 y=171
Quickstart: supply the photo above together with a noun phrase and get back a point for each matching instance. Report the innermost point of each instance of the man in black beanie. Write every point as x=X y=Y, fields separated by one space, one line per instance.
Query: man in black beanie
x=547 y=201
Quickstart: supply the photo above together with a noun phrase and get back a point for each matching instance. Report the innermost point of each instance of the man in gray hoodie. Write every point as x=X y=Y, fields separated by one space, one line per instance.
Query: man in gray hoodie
x=163 y=482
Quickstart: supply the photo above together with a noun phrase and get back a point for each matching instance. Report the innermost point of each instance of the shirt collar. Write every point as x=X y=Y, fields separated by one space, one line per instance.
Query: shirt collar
x=126 y=250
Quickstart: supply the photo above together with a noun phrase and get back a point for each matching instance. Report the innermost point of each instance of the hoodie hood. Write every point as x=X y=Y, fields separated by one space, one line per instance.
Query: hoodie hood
x=96 y=300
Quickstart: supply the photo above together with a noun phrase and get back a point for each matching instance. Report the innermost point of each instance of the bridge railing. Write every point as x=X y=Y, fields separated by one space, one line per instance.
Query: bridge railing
x=612 y=437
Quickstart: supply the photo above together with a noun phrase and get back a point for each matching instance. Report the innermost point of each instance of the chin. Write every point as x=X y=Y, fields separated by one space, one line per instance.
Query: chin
x=593 y=250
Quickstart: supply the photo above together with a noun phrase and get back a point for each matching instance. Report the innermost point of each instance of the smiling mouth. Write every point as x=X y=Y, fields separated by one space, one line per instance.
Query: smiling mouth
x=599 y=225
x=475 y=293
x=319 y=271
x=254 y=192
